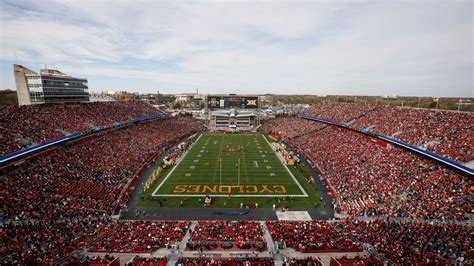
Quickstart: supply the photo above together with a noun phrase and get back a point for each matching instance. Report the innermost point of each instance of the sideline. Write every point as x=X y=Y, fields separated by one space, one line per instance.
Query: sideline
x=172 y=170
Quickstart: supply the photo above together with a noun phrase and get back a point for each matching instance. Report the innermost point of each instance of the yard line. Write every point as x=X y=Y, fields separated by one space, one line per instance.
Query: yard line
x=257 y=176
x=284 y=165
x=219 y=156
x=176 y=166
x=245 y=165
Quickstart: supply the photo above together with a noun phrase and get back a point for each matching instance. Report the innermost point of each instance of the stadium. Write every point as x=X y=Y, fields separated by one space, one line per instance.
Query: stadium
x=325 y=188
x=239 y=133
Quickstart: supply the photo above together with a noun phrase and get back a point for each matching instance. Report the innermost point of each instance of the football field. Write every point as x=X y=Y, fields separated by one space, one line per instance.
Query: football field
x=236 y=165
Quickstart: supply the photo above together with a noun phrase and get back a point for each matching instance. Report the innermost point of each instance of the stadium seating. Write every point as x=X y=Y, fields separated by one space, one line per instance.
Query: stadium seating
x=443 y=132
x=409 y=209
x=211 y=235
x=107 y=259
x=145 y=261
x=140 y=236
x=408 y=242
x=33 y=242
x=290 y=127
x=370 y=179
x=412 y=242
x=311 y=236
x=24 y=126
x=341 y=113
x=88 y=177
x=59 y=201
x=356 y=261
x=226 y=261
x=308 y=261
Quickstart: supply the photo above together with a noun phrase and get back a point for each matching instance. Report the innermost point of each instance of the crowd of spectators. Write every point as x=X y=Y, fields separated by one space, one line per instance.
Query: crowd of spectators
x=177 y=152
x=308 y=261
x=252 y=261
x=355 y=261
x=311 y=236
x=446 y=133
x=36 y=242
x=443 y=132
x=341 y=113
x=299 y=127
x=376 y=180
x=410 y=243
x=405 y=242
x=211 y=235
x=86 y=178
x=63 y=200
x=147 y=261
x=140 y=236
x=372 y=179
x=24 y=126
x=85 y=260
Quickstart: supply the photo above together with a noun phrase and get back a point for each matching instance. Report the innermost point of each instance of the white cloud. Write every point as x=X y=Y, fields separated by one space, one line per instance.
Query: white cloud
x=302 y=47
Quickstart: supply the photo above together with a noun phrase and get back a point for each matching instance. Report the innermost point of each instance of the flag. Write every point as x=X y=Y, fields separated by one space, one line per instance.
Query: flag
x=435 y=99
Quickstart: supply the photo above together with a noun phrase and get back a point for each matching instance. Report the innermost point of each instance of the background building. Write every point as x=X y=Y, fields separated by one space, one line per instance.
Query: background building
x=49 y=86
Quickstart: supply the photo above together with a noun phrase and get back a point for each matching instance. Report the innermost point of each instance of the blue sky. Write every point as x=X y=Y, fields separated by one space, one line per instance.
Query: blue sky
x=312 y=47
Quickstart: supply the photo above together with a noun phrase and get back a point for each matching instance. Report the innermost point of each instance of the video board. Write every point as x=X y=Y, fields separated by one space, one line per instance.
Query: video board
x=232 y=101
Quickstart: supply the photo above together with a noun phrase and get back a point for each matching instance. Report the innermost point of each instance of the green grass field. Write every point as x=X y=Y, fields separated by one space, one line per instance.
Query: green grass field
x=232 y=169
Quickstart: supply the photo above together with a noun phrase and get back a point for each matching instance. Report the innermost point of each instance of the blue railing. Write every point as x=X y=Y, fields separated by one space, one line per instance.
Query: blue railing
x=400 y=144
x=14 y=155
x=41 y=146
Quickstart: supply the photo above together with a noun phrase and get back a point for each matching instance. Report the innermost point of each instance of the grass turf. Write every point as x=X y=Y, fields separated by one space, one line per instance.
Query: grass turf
x=243 y=163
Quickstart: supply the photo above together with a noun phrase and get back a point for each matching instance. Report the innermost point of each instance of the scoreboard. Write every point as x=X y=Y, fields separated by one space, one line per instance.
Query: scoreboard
x=232 y=101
